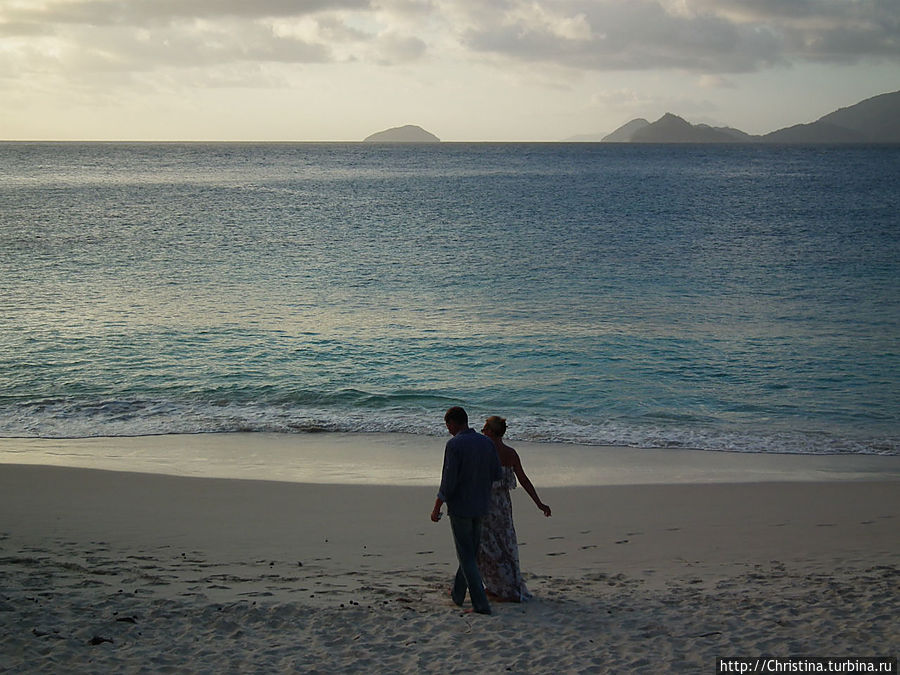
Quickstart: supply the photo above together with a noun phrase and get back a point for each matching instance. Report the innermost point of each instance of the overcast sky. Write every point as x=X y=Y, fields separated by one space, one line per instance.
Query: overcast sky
x=462 y=69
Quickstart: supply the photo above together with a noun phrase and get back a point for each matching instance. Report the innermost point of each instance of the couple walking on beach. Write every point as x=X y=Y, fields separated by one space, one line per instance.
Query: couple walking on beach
x=479 y=471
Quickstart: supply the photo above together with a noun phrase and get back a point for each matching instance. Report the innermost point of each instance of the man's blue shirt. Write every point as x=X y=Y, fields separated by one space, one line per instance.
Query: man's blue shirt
x=470 y=466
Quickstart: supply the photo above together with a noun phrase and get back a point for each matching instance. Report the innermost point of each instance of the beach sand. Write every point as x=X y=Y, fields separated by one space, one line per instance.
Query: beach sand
x=106 y=571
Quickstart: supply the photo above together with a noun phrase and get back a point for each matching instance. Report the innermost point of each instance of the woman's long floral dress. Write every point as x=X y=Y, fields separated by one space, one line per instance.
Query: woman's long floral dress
x=498 y=555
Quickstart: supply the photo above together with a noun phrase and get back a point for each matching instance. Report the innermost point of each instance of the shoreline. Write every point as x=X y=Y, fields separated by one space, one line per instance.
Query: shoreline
x=407 y=459
x=127 y=571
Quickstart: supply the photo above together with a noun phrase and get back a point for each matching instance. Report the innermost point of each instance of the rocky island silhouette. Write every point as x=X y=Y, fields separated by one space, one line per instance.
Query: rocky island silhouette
x=874 y=120
x=409 y=133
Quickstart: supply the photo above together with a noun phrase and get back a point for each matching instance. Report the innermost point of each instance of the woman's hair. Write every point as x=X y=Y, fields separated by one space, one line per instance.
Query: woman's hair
x=496 y=424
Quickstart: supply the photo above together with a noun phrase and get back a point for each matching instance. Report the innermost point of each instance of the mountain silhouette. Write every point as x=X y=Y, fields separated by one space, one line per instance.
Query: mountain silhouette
x=624 y=133
x=405 y=134
x=673 y=129
x=874 y=120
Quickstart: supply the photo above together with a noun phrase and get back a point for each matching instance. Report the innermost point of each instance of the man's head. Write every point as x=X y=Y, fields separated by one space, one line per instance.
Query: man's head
x=456 y=420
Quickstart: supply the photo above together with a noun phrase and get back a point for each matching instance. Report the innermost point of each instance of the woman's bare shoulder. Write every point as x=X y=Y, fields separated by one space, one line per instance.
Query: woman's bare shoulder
x=512 y=457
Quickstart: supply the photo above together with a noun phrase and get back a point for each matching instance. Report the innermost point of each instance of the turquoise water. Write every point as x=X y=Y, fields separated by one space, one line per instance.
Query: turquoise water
x=725 y=298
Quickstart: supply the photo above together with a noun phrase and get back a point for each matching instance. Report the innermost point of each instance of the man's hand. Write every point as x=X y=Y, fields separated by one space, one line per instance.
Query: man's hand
x=436 y=511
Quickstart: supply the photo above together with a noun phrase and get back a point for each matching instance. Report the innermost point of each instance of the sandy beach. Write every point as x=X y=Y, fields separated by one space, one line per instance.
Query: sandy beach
x=110 y=571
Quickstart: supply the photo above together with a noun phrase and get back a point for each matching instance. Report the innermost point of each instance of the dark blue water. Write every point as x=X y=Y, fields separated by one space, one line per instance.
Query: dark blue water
x=725 y=297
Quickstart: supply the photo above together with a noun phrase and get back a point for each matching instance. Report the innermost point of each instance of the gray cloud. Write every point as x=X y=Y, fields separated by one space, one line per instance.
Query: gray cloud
x=141 y=35
x=701 y=35
x=115 y=50
x=150 y=12
x=23 y=29
x=825 y=30
x=123 y=35
x=398 y=49
x=704 y=36
x=639 y=35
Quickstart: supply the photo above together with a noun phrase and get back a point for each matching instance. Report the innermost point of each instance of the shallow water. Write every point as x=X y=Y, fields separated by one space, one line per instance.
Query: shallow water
x=725 y=298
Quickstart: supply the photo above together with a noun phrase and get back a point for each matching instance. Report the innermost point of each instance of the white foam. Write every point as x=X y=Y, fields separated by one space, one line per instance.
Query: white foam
x=67 y=419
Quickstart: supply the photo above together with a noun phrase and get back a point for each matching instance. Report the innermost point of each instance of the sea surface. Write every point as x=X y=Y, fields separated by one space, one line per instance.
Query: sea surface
x=727 y=298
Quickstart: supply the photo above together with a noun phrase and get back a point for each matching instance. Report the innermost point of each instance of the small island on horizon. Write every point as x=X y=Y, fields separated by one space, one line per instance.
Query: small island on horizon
x=409 y=133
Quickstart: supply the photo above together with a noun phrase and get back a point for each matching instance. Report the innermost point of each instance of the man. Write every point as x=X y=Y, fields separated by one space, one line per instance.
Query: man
x=470 y=466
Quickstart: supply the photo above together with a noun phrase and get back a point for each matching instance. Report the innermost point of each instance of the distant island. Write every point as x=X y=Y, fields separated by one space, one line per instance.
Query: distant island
x=405 y=134
x=585 y=138
x=874 y=120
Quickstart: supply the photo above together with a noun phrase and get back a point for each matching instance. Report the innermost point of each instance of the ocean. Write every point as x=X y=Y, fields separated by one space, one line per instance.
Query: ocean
x=727 y=298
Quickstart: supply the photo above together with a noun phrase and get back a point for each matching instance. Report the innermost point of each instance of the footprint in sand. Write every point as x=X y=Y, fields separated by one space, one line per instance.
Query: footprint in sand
x=622 y=541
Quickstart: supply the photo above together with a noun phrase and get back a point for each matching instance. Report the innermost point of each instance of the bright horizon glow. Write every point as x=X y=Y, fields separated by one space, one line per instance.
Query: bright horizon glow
x=518 y=70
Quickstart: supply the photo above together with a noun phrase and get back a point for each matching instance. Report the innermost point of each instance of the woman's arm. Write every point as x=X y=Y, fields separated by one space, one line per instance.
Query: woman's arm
x=526 y=484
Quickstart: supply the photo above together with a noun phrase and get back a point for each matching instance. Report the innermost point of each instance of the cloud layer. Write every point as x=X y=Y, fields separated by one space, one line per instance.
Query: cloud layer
x=703 y=36
x=700 y=35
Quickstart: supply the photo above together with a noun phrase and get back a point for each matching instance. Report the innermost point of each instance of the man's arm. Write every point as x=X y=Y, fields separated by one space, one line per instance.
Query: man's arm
x=436 y=513
x=448 y=480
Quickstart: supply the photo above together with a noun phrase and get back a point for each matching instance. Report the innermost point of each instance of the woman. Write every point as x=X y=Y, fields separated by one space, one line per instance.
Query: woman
x=498 y=556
